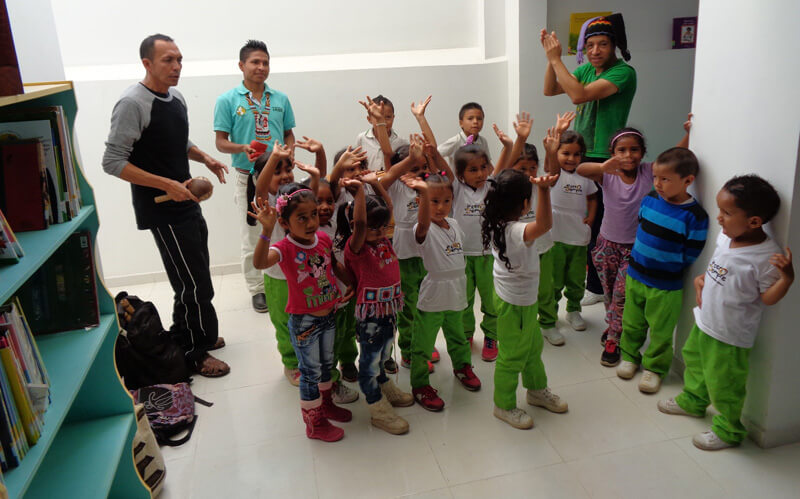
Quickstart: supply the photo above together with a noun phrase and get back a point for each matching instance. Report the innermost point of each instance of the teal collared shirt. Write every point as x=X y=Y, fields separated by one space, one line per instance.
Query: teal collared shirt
x=232 y=114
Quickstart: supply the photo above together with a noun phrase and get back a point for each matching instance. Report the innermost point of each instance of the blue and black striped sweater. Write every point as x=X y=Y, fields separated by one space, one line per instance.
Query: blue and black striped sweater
x=669 y=238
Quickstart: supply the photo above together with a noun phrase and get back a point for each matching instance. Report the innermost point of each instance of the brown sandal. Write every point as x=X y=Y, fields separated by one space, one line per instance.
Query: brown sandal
x=219 y=344
x=212 y=367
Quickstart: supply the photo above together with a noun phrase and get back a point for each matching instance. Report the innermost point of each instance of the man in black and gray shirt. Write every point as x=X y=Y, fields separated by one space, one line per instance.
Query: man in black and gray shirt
x=149 y=146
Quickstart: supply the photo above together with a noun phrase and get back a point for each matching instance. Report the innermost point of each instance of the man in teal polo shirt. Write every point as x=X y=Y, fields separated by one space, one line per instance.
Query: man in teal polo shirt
x=251 y=112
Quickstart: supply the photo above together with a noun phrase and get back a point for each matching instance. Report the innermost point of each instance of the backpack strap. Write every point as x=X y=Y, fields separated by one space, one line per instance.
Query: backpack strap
x=202 y=402
x=166 y=440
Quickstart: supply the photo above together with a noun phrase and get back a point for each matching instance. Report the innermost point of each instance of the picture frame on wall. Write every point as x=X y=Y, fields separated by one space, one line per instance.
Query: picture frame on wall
x=684 y=32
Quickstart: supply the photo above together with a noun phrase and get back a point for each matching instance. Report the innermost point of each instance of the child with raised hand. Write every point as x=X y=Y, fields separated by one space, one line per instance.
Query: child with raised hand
x=470 y=120
x=369 y=256
x=574 y=200
x=625 y=181
x=747 y=272
x=272 y=170
x=443 y=293
x=671 y=235
x=306 y=258
x=516 y=272
x=368 y=140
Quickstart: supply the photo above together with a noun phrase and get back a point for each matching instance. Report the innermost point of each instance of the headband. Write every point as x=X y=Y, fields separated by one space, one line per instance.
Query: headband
x=626 y=132
x=283 y=199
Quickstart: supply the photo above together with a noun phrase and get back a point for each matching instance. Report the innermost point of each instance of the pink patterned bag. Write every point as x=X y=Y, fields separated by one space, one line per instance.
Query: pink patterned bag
x=170 y=410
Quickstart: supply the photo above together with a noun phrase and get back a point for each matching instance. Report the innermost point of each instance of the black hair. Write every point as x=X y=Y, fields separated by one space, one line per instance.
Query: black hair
x=147 y=47
x=529 y=153
x=504 y=203
x=681 y=160
x=464 y=155
x=252 y=46
x=378 y=215
x=439 y=180
x=261 y=162
x=338 y=155
x=466 y=107
x=755 y=196
x=572 y=137
x=400 y=154
x=291 y=205
x=380 y=99
x=622 y=132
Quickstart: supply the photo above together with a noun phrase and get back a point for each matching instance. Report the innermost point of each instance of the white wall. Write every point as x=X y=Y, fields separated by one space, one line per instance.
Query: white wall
x=35 y=40
x=746 y=121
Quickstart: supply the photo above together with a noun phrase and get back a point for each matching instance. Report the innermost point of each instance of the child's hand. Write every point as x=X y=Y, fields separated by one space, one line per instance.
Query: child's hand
x=264 y=213
x=374 y=111
x=687 y=125
x=523 y=125
x=351 y=184
x=428 y=149
x=552 y=141
x=415 y=149
x=418 y=110
x=310 y=145
x=369 y=177
x=349 y=293
x=545 y=181
x=312 y=171
x=563 y=121
x=613 y=166
x=352 y=157
x=414 y=182
x=699 y=282
x=783 y=264
x=281 y=151
x=504 y=139
x=551 y=45
x=588 y=221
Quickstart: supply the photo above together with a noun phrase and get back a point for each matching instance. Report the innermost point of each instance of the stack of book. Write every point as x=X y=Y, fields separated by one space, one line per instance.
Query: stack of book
x=10 y=249
x=38 y=181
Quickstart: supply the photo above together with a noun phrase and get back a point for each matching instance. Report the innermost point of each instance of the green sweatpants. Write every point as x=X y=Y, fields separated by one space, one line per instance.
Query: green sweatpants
x=479 y=274
x=277 y=294
x=344 y=345
x=412 y=271
x=548 y=308
x=520 y=346
x=716 y=373
x=656 y=309
x=425 y=337
x=569 y=271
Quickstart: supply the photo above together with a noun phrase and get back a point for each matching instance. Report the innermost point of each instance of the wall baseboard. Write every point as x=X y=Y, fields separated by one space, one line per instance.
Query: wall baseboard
x=767 y=439
x=148 y=277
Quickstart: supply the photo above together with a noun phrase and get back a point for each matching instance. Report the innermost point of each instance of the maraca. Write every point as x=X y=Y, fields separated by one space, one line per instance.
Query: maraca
x=201 y=187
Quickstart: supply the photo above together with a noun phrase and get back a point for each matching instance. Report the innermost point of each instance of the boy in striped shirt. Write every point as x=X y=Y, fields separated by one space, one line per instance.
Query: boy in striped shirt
x=671 y=234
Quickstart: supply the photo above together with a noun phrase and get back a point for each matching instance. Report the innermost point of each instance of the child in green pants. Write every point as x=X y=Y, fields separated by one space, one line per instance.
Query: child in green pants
x=747 y=272
x=516 y=272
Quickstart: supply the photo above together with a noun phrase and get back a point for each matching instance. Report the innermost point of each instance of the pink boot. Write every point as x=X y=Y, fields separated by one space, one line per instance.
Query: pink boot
x=317 y=426
x=332 y=411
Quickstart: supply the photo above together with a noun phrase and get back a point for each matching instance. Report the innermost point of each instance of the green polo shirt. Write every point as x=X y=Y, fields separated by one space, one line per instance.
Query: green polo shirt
x=232 y=114
x=597 y=120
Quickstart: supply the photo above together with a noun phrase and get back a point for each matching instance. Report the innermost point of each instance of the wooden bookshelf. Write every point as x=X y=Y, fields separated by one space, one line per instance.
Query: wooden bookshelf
x=85 y=449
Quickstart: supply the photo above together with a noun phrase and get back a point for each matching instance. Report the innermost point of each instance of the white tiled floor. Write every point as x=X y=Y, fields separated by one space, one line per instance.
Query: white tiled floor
x=613 y=442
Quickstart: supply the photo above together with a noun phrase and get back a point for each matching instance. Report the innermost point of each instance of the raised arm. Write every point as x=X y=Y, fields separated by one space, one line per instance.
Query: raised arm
x=504 y=161
x=349 y=159
x=313 y=175
x=372 y=179
x=278 y=154
x=523 y=127
x=263 y=256
x=551 y=143
x=595 y=171
x=418 y=110
x=359 y=213
x=376 y=116
x=687 y=126
x=439 y=163
x=424 y=212
x=577 y=92
x=315 y=147
x=544 y=213
x=779 y=289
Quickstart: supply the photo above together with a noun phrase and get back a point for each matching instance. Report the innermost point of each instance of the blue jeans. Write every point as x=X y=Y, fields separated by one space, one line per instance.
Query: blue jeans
x=375 y=336
x=312 y=339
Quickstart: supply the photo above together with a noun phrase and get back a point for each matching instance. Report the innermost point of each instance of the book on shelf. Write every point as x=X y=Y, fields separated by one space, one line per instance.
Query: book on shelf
x=62 y=294
x=23 y=185
x=10 y=249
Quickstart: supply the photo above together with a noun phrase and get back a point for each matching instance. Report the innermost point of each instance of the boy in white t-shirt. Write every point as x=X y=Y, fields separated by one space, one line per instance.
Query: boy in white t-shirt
x=747 y=272
x=470 y=120
x=368 y=140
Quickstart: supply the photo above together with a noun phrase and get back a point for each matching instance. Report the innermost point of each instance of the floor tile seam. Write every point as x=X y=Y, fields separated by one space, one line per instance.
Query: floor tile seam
x=719 y=483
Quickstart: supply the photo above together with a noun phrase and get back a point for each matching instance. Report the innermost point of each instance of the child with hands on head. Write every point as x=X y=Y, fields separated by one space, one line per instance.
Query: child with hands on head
x=747 y=272
x=516 y=272
x=306 y=258
x=369 y=255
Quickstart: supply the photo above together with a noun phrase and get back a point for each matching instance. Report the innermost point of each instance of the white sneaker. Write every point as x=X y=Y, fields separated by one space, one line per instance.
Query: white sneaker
x=708 y=440
x=547 y=399
x=590 y=298
x=576 y=321
x=626 y=370
x=669 y=406
x=650 y=382
x=516 y=417
x=342 y=394
x=553 y=336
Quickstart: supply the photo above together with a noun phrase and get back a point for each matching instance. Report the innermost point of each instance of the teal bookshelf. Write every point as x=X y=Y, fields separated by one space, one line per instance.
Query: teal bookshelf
x=85 y=450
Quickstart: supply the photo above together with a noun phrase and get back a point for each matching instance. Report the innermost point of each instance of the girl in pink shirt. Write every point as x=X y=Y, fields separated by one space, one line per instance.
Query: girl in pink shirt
x=306 y=258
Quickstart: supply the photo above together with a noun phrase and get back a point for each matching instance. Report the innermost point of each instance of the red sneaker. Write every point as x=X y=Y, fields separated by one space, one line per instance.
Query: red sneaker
x=428 y=398
x=435 y=357
x=468 y=378
x=489 y=352
x=333 y=411
x=318 y=427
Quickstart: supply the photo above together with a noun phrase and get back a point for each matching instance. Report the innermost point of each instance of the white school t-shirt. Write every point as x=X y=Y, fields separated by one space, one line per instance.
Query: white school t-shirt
x=467 y=209
x=405 y=209
x=370 y=145
x=544 y=242
x=568 y=198
x=445 y=286
x=734 y=281
x=520 y=284
x=449 y=147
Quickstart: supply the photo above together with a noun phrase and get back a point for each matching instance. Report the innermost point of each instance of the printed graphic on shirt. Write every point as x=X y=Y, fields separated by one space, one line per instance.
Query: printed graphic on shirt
x=473 y=210
x=383 y=252
x=453 y=249
x=313 y=267
x=573 y=189
x=717 y=272
x=240 y=111
x=412 y=206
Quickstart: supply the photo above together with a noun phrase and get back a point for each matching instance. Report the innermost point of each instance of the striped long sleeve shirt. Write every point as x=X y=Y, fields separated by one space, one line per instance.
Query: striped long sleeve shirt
x=669 y=238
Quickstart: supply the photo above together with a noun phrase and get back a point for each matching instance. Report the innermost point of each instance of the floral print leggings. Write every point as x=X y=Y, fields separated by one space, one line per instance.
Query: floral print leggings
x=611 y=261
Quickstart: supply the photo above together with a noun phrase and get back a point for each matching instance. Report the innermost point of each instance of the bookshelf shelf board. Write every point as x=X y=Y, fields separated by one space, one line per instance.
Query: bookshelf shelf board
x=38 y=245
x=36 y=91
x=73 y=456
x=68 y=356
